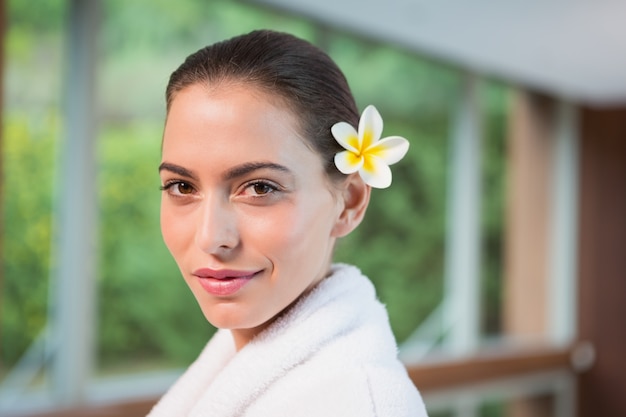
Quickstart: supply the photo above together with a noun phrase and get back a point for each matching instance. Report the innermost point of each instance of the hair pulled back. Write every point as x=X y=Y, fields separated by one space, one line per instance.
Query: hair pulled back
x=312 y=85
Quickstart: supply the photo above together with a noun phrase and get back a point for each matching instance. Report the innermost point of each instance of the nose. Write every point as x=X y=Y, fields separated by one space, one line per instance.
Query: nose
x=217 y=232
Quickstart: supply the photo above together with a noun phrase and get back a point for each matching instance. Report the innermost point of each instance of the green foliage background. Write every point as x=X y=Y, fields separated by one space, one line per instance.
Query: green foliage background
x=146 y=316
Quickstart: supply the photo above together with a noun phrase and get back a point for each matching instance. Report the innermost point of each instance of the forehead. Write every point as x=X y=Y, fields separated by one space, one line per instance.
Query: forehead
x=233 y=123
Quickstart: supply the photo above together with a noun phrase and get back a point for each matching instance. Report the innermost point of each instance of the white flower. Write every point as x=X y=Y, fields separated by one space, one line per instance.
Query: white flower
x=366 y=152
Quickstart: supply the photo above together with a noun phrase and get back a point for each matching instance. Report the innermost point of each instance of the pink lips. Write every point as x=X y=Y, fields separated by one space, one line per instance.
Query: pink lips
x=223 y=282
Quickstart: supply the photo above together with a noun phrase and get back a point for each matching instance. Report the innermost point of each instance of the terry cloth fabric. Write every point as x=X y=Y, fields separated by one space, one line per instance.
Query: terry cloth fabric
x=330 y=354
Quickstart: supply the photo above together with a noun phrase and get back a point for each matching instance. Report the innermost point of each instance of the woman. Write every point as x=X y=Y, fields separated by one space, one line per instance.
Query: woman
x=261 y=173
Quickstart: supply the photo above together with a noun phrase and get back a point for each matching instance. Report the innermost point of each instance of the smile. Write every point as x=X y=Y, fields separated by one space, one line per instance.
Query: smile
x=223 y=282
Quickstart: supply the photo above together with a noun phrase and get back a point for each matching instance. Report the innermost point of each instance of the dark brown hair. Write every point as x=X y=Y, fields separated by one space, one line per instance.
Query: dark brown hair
x=304 y=76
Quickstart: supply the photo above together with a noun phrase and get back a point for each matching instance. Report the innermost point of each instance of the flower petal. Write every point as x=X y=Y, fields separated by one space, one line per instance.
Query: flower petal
x=347 y=162
x=346 y=136
x=390 y=150
x=375 y=172
x=370 y=127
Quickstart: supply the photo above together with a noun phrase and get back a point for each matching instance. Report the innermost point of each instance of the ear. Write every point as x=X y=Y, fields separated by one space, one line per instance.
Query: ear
x=355 y=195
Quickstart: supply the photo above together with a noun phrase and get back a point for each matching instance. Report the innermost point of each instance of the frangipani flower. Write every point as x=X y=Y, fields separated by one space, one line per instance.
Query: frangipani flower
x=366 y=152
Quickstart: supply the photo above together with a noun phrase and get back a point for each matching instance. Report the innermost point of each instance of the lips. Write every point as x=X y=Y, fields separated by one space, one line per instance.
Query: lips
x=223 y=282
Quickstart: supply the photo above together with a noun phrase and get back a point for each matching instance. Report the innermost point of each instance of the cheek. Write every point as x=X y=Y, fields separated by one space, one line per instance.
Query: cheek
x=172 y=231
x=292 y=233
x=166 y=227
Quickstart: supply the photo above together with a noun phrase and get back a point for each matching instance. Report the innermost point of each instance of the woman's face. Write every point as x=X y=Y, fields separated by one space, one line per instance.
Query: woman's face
x=247 y=211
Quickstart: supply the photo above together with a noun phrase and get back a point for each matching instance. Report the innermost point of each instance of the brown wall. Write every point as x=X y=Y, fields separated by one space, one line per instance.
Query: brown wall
x=602 y=261
x=530 y=154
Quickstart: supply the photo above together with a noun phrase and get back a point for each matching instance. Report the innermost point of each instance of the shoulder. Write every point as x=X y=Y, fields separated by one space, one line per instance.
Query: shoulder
x=347 y=391
x=392 y=392
x=379 y=390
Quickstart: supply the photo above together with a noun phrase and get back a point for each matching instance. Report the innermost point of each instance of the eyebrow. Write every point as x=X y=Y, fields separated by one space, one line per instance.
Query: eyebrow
x=249 y=167
x=231 y=174
x=176 y=169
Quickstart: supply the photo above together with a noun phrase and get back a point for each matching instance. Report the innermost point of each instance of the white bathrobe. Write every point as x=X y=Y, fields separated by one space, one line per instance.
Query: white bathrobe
x=331 y=354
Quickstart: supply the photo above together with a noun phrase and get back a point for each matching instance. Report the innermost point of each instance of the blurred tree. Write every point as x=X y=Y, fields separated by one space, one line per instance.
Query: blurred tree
x=28 y=162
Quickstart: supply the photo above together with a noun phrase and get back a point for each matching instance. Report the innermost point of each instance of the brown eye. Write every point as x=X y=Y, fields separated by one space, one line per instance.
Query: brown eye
x=178 y=188
x=261 y=188
x=184 y=188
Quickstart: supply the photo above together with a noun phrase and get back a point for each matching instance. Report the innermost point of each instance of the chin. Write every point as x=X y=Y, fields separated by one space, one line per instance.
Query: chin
x=231 y=317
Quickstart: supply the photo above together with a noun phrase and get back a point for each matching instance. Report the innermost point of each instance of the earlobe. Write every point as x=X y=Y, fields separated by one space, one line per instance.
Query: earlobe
x=356 y=197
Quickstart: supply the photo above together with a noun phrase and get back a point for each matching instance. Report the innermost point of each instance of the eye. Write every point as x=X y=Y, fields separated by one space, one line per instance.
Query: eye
x=259 y=188
x=178 y=188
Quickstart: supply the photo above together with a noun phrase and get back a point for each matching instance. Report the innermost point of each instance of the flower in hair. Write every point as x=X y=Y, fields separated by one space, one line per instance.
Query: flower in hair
x=366 y=152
